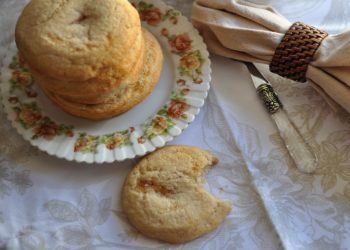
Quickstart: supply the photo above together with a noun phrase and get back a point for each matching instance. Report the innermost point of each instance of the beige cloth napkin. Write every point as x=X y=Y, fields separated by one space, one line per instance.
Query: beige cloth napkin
x=250 y=32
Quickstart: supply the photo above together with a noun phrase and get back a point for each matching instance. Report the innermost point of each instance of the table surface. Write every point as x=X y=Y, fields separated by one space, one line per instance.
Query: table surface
x=48 y=203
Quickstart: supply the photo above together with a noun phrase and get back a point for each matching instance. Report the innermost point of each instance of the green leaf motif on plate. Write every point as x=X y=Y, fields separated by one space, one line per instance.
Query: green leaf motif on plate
x=116 y=140
x=142 y=6
x=86 y=143
x=171 y=15
x=21 y=77
x=191 y=61
x=149 y=14
x=159 y=125
x=29 y=116
x=177 y=96
x=191 y=65
x=48 y=129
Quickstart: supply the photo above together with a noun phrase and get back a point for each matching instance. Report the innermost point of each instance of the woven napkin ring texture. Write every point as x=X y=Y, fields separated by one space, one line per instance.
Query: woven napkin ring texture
x=296 y=50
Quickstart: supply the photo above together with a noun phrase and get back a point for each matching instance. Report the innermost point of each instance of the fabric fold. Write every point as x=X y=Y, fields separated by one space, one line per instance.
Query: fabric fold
x=249 y=32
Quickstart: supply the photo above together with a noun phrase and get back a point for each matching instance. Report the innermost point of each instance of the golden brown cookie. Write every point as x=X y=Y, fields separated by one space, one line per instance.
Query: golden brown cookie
x=91 y=92
x=131 y=96
x=78 y=40
x=163 y=195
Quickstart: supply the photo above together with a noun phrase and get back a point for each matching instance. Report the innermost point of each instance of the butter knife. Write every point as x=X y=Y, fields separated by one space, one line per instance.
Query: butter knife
x=304 y=159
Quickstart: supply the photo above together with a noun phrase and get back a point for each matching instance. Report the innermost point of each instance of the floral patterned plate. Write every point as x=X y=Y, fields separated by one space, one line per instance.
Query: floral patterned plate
x=176 y=100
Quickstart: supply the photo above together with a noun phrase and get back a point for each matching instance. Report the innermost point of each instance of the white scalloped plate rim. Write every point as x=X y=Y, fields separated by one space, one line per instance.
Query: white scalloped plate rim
x=63 y=147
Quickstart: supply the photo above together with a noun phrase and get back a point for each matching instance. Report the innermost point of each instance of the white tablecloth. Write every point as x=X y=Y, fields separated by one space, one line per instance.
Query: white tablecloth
x=47 y=203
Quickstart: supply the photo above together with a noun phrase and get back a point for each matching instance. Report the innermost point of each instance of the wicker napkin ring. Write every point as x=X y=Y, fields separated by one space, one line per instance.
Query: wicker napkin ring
x=296 y=50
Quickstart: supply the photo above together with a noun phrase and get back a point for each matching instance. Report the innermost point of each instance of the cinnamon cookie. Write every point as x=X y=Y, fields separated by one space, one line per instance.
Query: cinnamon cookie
x=78 y=40
x=163 y=195
x=131 y=96
x=93 y=91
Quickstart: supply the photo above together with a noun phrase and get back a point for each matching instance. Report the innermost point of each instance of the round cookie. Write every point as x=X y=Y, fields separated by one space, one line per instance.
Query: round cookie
x=91 y=92
x=77 y=40
x=164 y=199
x=131 y=96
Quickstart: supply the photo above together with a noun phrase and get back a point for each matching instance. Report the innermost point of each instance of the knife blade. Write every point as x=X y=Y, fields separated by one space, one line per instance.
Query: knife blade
x=301 y=153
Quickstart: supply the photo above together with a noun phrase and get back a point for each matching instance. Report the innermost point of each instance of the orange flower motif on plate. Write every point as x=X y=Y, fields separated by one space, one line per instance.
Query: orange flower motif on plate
x=86 y=143
x=181 y=43
x=191 y=65
x=190 y=62
x=48 y=131
x=29 y=117
x=177 y=108
x=22 y=78
x=153 y=16
x=160 y=125
x=117 y=139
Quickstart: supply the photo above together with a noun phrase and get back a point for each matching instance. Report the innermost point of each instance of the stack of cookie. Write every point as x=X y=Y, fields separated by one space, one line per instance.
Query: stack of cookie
x=92 y=60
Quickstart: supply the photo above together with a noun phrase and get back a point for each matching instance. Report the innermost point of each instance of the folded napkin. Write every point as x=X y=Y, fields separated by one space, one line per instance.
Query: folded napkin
x=251 y=32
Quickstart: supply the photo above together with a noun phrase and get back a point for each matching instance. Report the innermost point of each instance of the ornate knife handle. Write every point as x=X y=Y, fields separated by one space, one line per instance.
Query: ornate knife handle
x=269 y=97
x=298 y=149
